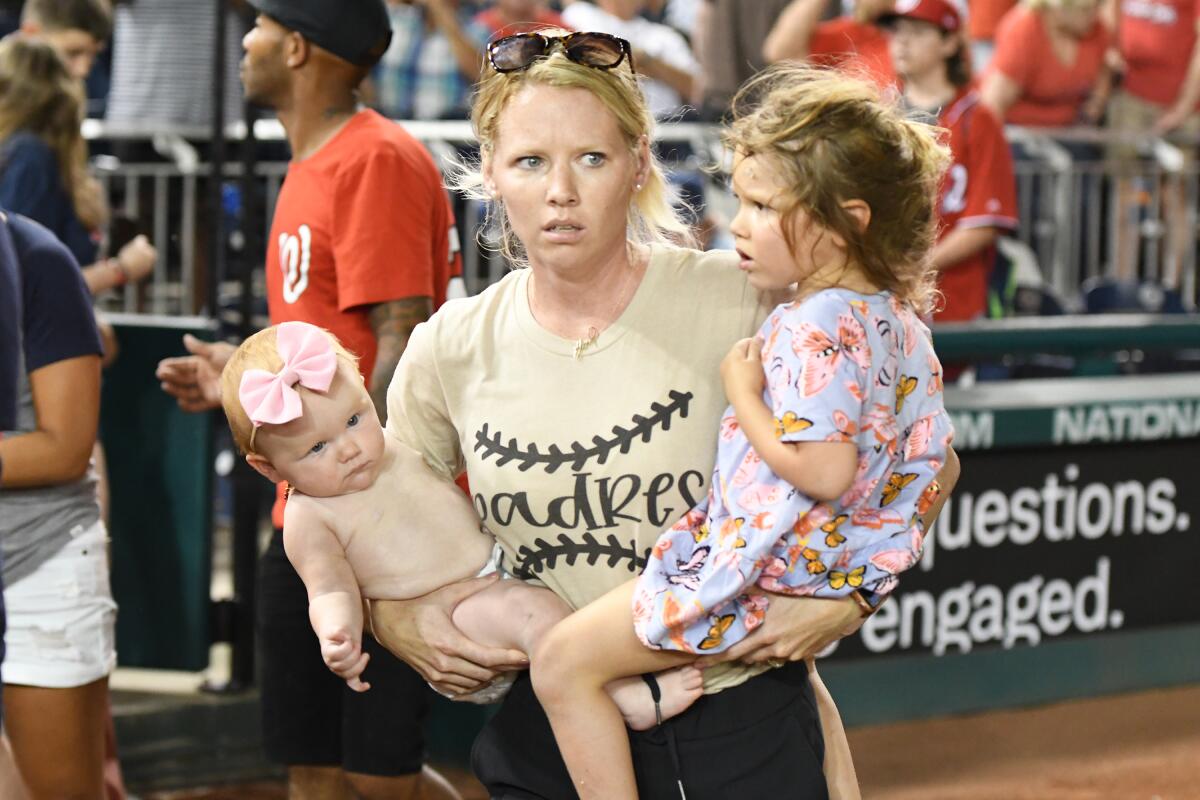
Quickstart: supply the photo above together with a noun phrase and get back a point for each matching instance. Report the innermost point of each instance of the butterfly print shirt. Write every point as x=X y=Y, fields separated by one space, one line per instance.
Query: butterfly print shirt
x=840 y=367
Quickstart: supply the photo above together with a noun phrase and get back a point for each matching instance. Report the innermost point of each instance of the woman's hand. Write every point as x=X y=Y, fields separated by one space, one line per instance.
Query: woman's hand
x=795 y=628
x=421 y=631
x=742 y=370
x=137 y=258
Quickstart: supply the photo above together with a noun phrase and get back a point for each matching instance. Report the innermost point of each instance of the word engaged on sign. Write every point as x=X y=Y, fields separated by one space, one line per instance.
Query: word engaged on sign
x=968 y=615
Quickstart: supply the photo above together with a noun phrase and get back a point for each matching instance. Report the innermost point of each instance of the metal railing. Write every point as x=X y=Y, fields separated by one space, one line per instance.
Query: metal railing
x=1073 y=208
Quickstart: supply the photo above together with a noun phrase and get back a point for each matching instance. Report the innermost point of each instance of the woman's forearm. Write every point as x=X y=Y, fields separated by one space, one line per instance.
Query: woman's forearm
x=66 y=402
x=104 y=275
x=41 y=458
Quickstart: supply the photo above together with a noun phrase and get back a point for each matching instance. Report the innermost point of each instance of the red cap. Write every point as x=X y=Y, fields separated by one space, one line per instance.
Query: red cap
x=941 y=13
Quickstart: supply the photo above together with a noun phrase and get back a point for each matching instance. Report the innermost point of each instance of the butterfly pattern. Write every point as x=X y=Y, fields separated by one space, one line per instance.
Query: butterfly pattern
x=839 y=367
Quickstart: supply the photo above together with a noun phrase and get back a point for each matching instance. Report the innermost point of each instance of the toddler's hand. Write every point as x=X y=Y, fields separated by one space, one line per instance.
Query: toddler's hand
x=742 y=369
x=344 y=656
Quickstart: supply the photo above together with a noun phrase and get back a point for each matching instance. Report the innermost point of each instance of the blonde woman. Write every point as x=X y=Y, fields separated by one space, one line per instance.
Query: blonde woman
x=581 y=393
x=43 y=162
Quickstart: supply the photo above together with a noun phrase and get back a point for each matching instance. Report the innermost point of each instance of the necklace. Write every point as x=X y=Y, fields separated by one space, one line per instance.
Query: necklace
x=586 y=342
x=593 y=333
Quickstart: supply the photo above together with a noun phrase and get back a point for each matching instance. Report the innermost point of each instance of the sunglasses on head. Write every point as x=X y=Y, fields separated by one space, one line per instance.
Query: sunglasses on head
x=520 y=51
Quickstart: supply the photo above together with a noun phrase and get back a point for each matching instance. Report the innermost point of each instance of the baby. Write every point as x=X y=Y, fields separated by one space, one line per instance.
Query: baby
x=366 y=517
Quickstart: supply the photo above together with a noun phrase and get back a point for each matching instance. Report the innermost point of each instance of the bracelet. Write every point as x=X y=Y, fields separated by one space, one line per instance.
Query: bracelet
x=866 y=606
x=122 y=275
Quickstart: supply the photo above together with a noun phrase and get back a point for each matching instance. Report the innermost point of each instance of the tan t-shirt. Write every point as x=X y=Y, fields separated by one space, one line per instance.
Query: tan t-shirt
x=577 y=465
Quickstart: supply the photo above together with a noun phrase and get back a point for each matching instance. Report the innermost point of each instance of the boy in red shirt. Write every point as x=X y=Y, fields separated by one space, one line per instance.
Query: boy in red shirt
x=978 y=196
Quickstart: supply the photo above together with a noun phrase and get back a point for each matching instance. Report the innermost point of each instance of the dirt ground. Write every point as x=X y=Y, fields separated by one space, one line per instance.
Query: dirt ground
x=1143 y=746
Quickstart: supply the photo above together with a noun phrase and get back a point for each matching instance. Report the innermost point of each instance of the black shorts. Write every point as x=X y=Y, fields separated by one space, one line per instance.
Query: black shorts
x=309 y=716
x=760 y=739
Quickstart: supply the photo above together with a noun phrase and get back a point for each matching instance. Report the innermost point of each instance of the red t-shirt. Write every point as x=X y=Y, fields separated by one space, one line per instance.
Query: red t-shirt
x=979 y=190
x=544 y=18
x=363 y=221
x=1156 y=38
x=854 y=47
x=1051 y=91
x=985 y=16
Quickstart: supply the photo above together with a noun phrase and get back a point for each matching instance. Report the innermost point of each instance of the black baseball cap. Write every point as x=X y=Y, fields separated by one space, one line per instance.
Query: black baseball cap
x=357 y=31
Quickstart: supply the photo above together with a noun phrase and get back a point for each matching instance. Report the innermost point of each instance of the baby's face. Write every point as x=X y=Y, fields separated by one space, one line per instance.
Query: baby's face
x=335 y=447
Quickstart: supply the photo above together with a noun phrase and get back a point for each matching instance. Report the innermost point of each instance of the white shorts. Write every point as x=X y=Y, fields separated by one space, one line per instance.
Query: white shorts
x=62 y=618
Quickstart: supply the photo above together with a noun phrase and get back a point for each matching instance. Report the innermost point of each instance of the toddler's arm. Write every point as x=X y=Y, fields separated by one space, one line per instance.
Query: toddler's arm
x=334 y=601
x=821 y=470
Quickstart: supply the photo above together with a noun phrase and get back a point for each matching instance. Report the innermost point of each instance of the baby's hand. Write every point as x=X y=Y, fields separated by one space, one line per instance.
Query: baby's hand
x=742 y=369
x=344 y=656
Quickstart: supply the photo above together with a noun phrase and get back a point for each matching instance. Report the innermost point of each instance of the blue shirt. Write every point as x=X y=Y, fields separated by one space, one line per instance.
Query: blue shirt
x=31 y=184
x=10 y=323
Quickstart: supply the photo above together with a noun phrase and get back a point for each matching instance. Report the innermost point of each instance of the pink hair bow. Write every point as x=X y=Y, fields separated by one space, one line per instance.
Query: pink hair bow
x=308 y=359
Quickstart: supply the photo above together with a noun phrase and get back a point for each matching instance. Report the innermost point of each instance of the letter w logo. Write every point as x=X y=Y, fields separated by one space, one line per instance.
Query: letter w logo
x=294 y=252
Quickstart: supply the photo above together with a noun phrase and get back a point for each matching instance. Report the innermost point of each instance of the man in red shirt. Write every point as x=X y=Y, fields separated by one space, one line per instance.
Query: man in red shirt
x=362 y=243
x=978 y=196
x=853 y=43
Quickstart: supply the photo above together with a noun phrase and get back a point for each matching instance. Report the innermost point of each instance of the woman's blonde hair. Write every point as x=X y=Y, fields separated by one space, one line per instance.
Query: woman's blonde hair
x=833 y=140
x=39 y=96
x=259 y=352
x=651 y=216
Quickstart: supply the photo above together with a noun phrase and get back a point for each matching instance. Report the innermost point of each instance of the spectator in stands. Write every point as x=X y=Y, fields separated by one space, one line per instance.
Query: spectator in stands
x=43 y=165
x=506 y=17
x=679 y=14
x=43 y=162
x=1159 y=55
x=363 y=244
x=978 y=195
x=729 y=44
x=981 y=29
x=435 y=57
x=162 y=72
x=1048 y=68
x=60 y=614
x=852 y=42
x=661 y=54
x=76 y=29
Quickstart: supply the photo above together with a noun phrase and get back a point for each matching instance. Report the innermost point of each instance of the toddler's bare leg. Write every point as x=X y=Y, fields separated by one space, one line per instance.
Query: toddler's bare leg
x=840 y=776
x=570 y=668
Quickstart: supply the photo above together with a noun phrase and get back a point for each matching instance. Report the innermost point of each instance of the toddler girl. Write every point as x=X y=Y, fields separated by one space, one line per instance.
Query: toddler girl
x=366 y=518
x=827 y=456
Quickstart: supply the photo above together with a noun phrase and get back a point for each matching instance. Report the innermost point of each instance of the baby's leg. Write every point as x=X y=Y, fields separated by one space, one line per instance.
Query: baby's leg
x=510 y=615
x=513 y=614
x=840 y=776
x=571 y=667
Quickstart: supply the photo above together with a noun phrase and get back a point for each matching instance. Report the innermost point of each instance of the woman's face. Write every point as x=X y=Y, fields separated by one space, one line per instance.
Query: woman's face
x=566 y=176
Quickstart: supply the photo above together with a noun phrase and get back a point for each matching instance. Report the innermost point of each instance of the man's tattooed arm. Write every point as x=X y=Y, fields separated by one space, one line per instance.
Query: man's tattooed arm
x=393 y=323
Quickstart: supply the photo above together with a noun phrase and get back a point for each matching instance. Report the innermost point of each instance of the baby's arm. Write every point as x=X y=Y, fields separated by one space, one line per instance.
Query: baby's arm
x=821 y=470
x=334 y=602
